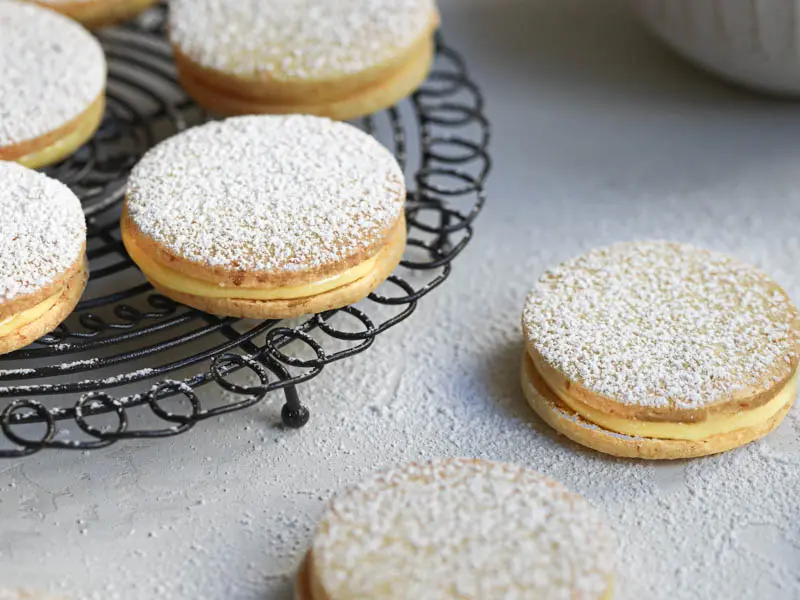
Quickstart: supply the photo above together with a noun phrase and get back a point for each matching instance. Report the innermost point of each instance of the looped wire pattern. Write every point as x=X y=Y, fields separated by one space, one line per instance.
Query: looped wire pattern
x=128 y=355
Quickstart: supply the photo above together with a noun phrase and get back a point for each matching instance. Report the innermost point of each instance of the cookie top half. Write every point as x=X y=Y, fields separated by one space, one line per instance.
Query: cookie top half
x=663 y=325
x=42 y=233
x=267 y=195
x=298 y=40
x=52 y=71
x=459 y=528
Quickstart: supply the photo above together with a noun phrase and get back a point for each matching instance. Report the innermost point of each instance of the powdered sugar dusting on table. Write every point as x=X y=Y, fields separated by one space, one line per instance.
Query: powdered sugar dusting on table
x=462 y=529
x=302 y=39
x=42 y=230
x=662 y=324
x=52 y=70
x=267 y=193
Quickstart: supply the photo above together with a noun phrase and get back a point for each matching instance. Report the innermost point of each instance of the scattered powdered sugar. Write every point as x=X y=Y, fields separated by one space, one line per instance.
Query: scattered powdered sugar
x=462 y=529
x=42 y=230
x=267 y=193
x=302 y=39
x=662 y=324
x=52 y=70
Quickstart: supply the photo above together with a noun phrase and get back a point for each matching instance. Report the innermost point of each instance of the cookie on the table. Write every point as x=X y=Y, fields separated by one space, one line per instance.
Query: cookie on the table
x=266 y=216
x=52 y=86
x=660 y=350
x=334 y=58
x=43 y=269
x=459 y=529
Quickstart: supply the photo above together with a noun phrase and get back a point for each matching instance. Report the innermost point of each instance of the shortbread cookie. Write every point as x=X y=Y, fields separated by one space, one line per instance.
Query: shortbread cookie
x=52 y=85
x=459 y=529
x=266 y=216
x=43 y=268
x=337 y=58
x=660 y=350
x=98 y=13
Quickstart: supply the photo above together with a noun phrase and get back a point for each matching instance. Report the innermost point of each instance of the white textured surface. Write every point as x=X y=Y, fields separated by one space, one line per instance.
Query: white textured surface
x=599 y=136
x=27 y=594
x=462 y=529
x=301 y=39
x=52 y=70
x=42 y=230
x=656 y=323
x=267 y=193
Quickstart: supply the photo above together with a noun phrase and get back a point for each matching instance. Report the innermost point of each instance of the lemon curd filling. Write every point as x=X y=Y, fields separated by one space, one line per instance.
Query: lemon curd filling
x=701 y=430
x=15 y=322
x=185 y=284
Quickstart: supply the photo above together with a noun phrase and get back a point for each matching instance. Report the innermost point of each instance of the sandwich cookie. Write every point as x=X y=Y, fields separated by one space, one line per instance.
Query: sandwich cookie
x=43 y=269
x=98 y=13
x=266 y=216
x=459 y=529
x=335 y=58
x=52 y=88
x=660 y=350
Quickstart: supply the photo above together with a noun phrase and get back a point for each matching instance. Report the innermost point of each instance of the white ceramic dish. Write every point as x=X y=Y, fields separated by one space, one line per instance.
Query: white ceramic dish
x=751 y=42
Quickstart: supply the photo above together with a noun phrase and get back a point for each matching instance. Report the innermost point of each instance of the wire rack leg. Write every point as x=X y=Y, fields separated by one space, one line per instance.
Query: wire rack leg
x=443 y=241
x=294 y=414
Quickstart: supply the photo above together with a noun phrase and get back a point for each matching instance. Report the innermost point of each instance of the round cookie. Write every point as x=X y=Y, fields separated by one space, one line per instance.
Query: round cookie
x=98 y=13
x=660 y=350
x=266 y=216
x=339 y=58
x=43 y=269
x=459 y=529
x=52 y=91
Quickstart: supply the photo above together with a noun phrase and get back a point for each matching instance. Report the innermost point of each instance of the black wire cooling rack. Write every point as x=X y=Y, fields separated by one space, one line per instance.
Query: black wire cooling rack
x=130 y=363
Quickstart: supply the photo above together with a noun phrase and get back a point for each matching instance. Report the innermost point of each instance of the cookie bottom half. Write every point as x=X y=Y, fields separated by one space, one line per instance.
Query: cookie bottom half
x=567 y=422
x=379 y=268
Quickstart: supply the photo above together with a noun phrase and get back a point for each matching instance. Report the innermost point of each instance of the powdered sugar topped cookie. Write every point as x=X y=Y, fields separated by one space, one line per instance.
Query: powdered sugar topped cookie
x=660 y=324
x=266 y=217
x=42 y=231
x=267 y=193
x=52 y=69
x=302 y=39
x=462 y=529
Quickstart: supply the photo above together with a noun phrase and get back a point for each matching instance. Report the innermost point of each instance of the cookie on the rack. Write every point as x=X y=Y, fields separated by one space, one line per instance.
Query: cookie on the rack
x=43 y=269
x=459 y=528
x=98 y=13
x=660 y=350
x=266 y=216
x=52 y=87
x=335 y=58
